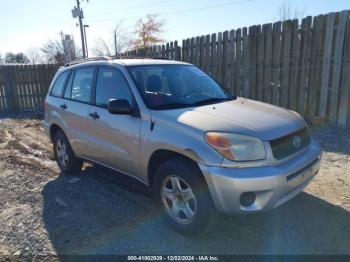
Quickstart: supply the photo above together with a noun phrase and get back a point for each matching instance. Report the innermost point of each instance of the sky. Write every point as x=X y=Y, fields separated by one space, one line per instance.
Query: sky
x=27 y=24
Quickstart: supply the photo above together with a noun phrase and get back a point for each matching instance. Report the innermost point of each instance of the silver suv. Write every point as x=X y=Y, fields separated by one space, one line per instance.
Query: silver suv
x=174 y=128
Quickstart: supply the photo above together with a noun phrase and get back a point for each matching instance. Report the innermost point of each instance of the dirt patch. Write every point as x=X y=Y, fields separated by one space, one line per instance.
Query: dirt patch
x=100 y=212
x=333 y=181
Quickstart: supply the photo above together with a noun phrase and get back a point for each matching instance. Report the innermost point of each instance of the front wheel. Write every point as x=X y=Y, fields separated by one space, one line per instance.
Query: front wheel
x=184 y=198
x=64 y=155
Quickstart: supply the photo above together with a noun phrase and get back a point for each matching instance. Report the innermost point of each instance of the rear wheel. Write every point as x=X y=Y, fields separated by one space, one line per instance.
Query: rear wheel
x=64 y=155
x=183 y=197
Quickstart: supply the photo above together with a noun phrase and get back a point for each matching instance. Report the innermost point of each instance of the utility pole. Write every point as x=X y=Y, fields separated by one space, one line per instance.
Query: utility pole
x=81 y=28
x=78 y=12
x=86 y=47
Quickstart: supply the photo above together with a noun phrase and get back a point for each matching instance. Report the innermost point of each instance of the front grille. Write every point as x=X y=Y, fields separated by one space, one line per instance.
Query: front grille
x=285 y=146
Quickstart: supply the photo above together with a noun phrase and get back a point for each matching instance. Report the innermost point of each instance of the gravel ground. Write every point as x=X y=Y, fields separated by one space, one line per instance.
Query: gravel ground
x=99 y=212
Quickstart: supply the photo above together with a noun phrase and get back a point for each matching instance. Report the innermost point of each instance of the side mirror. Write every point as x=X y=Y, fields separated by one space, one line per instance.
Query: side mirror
x=119 y=106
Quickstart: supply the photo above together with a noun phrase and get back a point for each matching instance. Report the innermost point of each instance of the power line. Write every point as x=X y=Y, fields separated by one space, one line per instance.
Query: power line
x=129 y=9
x=183 y=11
x=208 y=7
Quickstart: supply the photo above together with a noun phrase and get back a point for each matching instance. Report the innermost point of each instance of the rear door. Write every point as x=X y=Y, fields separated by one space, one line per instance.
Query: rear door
x=76 y=102
x=115 y=139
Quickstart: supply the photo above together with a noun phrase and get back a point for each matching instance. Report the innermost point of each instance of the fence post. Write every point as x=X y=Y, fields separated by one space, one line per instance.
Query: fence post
x=225 y=60
x=305 y=56
x=171 y=56
x=238 y=66
x=267 y=32
x=197 y=52
x=207 y=53
x=344 y=97
x=245 y=65
x=326 y=66
x=201 y=52
x=295 y=70
x=177 y=52
x=337 y=64
x=213 y=55
x=286 y=62
x=232 y=58
x=315 y=62
x=10 y=89
x=260 y=63
x=219 y=59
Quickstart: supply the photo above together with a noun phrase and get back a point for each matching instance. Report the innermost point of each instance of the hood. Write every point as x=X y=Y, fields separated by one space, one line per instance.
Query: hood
x=240 y=116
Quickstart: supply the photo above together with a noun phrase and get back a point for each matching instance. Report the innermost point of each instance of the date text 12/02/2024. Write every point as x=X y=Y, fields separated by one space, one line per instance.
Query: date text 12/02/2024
x=173 y=258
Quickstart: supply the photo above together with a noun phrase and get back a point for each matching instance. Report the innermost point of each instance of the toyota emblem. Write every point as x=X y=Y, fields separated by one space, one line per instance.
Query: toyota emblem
x=297 y=141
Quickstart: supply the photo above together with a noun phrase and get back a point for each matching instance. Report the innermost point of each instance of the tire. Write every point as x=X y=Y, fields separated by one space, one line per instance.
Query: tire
x=176 y=209
x=68 y=163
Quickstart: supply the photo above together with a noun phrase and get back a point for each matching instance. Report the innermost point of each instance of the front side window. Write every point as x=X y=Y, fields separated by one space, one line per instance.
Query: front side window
x=58 y=86
x=176 y=86
x=111 y=84
x=82 y=85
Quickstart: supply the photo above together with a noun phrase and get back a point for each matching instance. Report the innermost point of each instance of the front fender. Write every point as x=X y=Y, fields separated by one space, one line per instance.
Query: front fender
x=180 y=139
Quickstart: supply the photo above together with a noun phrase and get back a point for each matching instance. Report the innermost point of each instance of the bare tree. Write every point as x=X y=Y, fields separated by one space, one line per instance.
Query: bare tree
x=102 y=48
x=54 y=52
x=34 y=55
x=115 y=45
x=149 y=31
x=287 y=11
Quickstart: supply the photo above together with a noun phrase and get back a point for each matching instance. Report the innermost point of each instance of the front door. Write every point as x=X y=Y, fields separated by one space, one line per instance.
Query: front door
x=115 y=139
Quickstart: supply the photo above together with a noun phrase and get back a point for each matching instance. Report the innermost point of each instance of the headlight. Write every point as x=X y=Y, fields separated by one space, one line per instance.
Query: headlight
x=236 y=147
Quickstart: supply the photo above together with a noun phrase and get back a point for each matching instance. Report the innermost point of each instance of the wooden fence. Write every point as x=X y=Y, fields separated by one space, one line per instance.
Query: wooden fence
x=23 y=87
x=304 y=67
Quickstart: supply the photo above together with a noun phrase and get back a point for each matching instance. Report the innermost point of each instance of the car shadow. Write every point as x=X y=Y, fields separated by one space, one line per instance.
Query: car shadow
x=102 y=213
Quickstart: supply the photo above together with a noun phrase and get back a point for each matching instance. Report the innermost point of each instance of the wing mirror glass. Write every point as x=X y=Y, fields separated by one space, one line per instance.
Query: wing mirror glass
x=119 y=106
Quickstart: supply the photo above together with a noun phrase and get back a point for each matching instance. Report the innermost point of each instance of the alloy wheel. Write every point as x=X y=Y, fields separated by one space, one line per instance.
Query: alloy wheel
x=178 y=199
x=62 y=154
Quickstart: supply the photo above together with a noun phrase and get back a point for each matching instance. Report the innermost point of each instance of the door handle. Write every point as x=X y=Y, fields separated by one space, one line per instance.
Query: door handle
x=63 y=106
x=94 y=115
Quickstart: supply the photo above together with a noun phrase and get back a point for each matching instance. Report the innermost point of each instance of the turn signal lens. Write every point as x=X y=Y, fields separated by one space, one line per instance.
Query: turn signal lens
x=220 y=143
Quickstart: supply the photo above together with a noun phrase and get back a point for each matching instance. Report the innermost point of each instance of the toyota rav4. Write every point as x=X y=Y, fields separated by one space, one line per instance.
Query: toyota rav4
x=171 y=126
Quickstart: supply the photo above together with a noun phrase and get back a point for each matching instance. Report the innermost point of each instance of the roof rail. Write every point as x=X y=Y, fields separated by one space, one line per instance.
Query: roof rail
x=96 y=58
x=141 y=57
x=107 y=58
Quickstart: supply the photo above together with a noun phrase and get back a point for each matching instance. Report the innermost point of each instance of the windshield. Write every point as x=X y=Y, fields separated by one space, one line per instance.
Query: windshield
x=176 y=86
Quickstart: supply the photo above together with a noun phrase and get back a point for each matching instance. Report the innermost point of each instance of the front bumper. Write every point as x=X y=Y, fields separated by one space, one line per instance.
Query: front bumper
x=271 y=185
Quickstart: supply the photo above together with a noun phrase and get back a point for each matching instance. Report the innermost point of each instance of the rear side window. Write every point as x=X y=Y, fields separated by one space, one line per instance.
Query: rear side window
x=82 y=85
x=111 y=84
x=58 y=86
x=68 y=90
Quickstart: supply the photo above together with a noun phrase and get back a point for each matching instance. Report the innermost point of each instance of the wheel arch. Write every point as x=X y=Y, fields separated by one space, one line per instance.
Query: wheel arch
x=53 y=129
x=162 y=155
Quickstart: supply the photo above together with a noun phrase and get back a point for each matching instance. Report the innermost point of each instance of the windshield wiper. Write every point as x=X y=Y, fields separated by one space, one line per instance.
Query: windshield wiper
x=213 y=100
x=172 y=106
